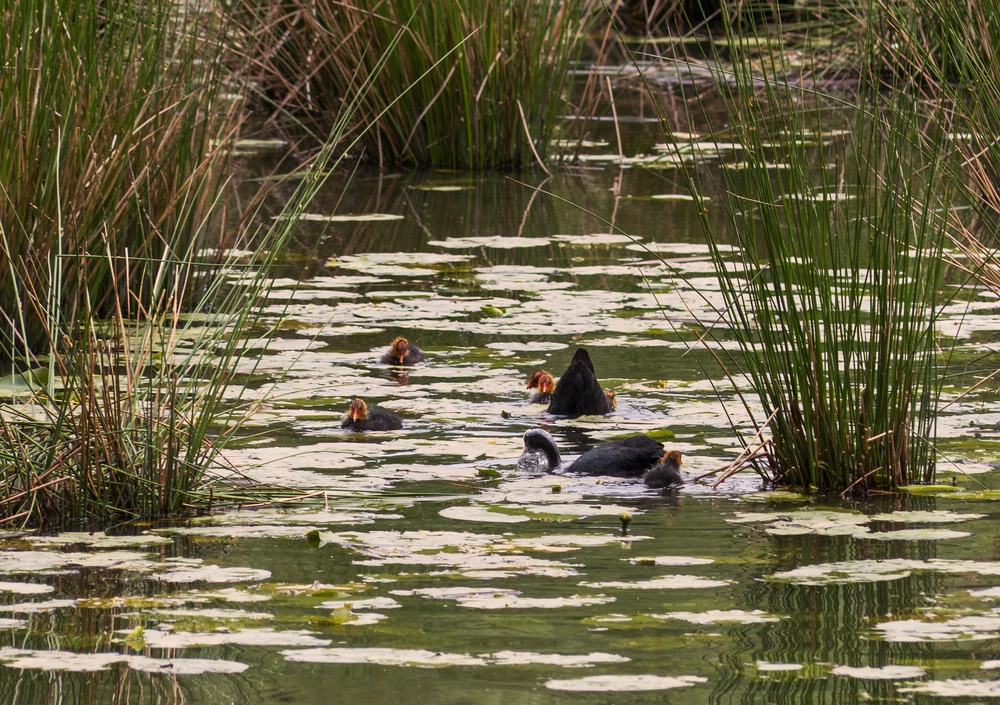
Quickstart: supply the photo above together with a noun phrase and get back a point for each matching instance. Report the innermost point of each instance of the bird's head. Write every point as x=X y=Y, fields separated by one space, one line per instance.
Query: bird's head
x=542 y=381
x=359 y=410
x=537 y=440
x=612 y=398
x=673 y=458
x=399 y=347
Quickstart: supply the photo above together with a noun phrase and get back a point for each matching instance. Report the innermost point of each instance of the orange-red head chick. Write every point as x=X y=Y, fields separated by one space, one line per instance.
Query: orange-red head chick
x=542 y=381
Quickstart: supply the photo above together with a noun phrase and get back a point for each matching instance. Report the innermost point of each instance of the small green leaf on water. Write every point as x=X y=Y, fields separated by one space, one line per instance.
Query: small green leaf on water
x=342 y=614
x=136 y=639
x=661 y=434
x=493 y=312
x=930 y=489
x=488 y=473
x=505 y=414
x=556 y=489
x=24 y=382
x=313 y=538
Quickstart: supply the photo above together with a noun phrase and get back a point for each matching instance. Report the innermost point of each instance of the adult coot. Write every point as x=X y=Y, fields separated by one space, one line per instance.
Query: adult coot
x=635 y=456
x=578 y=393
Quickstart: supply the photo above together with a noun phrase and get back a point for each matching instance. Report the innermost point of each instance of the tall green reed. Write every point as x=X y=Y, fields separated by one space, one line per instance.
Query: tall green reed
x=111 y=112
x=123 y=408
x=835 y=288
x=494 y=103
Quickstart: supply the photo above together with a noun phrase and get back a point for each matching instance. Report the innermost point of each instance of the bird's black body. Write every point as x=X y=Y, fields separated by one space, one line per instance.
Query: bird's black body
x=402 y=352
x=363 y=418
x=626 y=457
x=578 y=393
x=635 y=456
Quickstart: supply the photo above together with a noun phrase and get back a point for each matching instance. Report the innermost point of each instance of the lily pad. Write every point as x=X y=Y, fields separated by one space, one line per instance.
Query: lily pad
x=624 y=683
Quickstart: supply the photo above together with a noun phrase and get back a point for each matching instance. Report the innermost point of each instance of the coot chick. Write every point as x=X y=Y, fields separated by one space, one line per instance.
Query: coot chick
x=402 y=353
x=667 y=472
x=635 y=456
x=362 y=418
x=545 y=384
x=578 y=392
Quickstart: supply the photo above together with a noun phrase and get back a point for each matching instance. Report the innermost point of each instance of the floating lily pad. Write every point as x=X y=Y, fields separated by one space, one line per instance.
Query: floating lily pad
x=872 y=673
x=26 y=588
x=720 y=617
x=496 y=242
x=666 y=582
x=925 y=517
x=769 y=666
x=669 y=560
x=624 y=683
x=956 y=688
x=159 y=639
x=481 y=514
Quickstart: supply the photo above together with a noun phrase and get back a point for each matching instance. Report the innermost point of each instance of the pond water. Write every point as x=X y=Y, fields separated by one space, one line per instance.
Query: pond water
x=422 y=565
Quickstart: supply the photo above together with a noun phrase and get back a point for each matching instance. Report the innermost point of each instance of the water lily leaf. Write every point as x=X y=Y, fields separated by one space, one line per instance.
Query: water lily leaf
x=669 y=560
x=99 y=540
x=915 y=535
x=382 y=657
x=930 y=489
x=26 y=588
x=482 y=514
x=956 y=688
x=970 y=628
x=925 y=517
x=265 y=636
x=624 y=683
x=27 y=382
x=873 y=673
x=769 y=666
x=495 y=242
x=666 y=582
x=721 y=617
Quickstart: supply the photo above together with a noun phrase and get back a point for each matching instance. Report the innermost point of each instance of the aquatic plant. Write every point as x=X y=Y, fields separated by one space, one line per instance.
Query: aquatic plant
x=123 y=397
x=487 y=76
x=834 y=293
x=116 y=129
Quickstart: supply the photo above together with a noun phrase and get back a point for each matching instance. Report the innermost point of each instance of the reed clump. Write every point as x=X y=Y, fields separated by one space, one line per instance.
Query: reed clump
x=834 y=290
x=124 y=336
x=473 y=85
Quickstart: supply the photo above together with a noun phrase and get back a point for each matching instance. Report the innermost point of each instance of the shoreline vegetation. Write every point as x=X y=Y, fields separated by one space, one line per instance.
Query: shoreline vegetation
x=125 y=303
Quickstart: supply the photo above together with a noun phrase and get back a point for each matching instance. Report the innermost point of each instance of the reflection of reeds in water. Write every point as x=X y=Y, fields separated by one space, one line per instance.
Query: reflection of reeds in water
x=483 y=79
x=833 y=293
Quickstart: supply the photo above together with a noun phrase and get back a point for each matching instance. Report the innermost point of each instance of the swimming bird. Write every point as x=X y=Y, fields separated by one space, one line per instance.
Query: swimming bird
x=635 y=456
x=362 y=418
x=545 y=383
x=402 y=353
x=578 y=393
